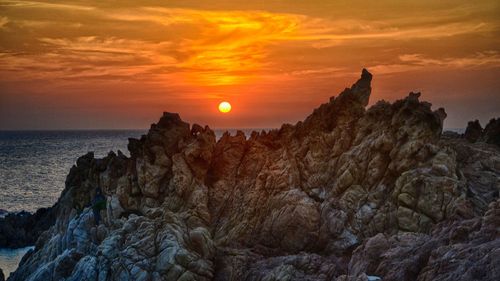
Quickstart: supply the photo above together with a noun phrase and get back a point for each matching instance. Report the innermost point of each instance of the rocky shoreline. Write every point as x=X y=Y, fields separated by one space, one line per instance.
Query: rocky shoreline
x=348 y=194
x=22 y=229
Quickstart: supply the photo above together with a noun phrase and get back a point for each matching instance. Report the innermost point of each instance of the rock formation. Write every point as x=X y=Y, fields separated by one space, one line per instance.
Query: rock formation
x=491 y=133
x=348 y=194
x=473 y=131
x=23 y=229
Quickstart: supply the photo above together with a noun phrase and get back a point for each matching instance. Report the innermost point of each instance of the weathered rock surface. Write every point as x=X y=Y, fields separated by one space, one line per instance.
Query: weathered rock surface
x=348 y=194
x=459 y=250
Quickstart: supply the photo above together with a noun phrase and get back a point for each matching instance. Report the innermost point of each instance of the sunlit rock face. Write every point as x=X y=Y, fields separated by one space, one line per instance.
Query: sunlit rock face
x=348 y=194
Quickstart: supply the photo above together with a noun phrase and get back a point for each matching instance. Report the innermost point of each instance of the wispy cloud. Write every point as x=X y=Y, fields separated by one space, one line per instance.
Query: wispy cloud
x=205 y=47
x=3 y=21
x=43 y=5
x=416 y=62
x=190 y=53
x=483 y=59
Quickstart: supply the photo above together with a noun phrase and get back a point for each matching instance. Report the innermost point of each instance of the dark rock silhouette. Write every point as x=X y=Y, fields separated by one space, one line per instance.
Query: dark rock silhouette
x=473 y=131
x=491 y=133
x=348 y=194
x=23 y=229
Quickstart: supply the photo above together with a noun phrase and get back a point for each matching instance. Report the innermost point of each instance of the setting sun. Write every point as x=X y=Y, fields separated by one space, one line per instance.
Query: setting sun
x=224 y=107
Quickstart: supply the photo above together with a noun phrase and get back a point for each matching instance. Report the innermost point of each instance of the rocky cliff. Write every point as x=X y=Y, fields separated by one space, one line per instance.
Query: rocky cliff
x=348 y=194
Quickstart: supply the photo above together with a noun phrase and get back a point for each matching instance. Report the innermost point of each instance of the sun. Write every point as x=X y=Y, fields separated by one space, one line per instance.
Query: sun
x=224 y=107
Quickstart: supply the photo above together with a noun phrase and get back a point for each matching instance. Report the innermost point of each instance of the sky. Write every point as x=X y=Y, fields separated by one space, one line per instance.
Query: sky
x=120 y=64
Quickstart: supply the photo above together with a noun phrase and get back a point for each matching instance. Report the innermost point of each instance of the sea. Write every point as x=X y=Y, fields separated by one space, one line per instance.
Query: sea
x=34 y=166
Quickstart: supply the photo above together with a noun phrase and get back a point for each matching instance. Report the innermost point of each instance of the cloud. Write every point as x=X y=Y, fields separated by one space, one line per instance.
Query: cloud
x=216 y=48
x=3 y=22
x=44 y=5
x=416 y=62
x=328 y=38
x=327 y=70
x=483 y=59
x=227 y=47
x=182 y=55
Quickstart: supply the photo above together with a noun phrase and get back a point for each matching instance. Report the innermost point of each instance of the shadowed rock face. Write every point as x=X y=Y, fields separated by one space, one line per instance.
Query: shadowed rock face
x=345 y=194
x=473 y=131
x=23 y=229
x=491 y=133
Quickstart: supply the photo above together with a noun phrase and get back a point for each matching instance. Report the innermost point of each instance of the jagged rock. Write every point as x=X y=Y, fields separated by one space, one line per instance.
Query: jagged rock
x=348 y=194
x=460 y=250
x=2 y=277
x=491 y=133
x=473 y=131
x=478 y=168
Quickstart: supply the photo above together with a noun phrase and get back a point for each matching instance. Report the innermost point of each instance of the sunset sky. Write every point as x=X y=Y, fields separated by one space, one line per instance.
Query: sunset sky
x=120 y=64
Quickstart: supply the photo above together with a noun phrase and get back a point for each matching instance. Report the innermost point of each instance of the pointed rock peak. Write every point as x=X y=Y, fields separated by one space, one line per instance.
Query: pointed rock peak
x=364 y=82
x=473 y=131
x=362 y=88
x=348 y=105
x=359 y=91
x=491 y=133
x=441 y=113
x=366 y=75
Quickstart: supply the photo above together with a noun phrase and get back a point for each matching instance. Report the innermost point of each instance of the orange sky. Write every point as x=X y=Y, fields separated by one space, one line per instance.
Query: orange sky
x=120 y=64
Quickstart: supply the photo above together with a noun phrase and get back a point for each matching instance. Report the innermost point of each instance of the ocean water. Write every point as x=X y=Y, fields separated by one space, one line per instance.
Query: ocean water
x=456 y=130
x=9 y=259
x=34 y=164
